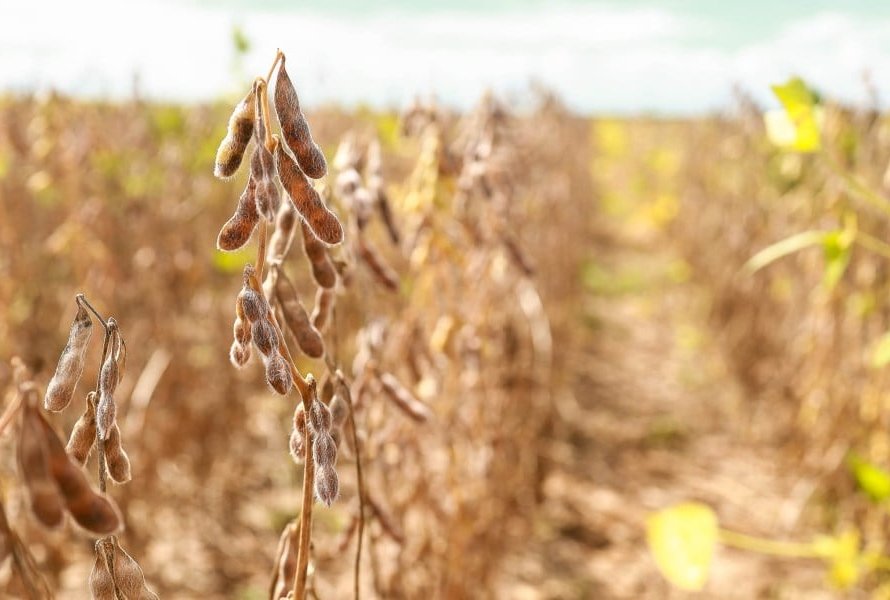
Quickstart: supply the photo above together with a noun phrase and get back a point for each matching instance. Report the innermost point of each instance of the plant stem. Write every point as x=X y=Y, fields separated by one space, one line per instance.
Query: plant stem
x=10 y=412
x=344 y=389
x=874 y=244
x=82 y=301
x=261 y=251
x=766 y=546
x=278 y=56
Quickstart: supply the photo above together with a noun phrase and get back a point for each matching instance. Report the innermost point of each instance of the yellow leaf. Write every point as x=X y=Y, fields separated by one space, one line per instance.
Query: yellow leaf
x=682 y=540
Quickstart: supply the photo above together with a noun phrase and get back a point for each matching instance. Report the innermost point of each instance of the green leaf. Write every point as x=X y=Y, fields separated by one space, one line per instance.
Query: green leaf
x=800 y=128
x=872 y=479
x=682 y=540
x=789 y=245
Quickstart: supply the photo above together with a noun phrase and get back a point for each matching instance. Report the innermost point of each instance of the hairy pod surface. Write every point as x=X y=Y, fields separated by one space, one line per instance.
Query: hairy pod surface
x=101 y=583
x=83 y=434
x=116 y=457
x=295 y=127
x=128 y=575
x=322 y=270
x=240 y=129
x=278 y=373
x=71 y=363
x=296 y=318
x=255 y=306
x=339 y=410
x=46 y=501
x=306 y=199
x=319 y=417
x=327 y=484
x=237 y=230
x=265 y=337
x=239 y=354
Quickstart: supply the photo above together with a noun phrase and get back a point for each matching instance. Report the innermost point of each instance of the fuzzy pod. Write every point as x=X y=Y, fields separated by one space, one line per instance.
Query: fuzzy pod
x=295 y=127
x=404 y=399
x=278 y=373
x=101 y=583
x=306 y=199
x=93 y=511
x=377 y=188
x=324 y=302
x=238 y=134
x=116 y=457
x=71 y=363
x=327 y=484
x=322 y=270
x=83 y=434
x=128 y=576
x=46 y=501
x=382 y=272
x=241 y=331
x=239 y=354
x=319 y=417
x=255 y=306
x=237 y=230
x=324 y=450
x=296 y=318
x=285 y=226
x=265 y=338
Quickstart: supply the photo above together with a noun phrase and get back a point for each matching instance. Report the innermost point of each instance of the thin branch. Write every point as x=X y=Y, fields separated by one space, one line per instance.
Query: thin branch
x=82 y=301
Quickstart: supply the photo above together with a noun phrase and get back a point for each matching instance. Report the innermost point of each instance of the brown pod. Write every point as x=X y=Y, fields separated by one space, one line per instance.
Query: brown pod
x=295 y=128
x=404 y=399
x=116 y=457
x=298 y=435
x=322 y=270
x=239 y=354
x=278 y=373
x=265 y=337
x=383 y=273
x=324 y=450
x=240 y=129
x=324 y=302
x=106 y=409
x=327 y=484
x=339 y=410
x=306 y=199
x=296 y=318
x=101 y=583
x=71 y=363
x=319 y=417
x=252 y=303
x=46 y=501
x=83 y=435
x=237 y=230
x=92 y=511
x=285 y=226
x=128 y=575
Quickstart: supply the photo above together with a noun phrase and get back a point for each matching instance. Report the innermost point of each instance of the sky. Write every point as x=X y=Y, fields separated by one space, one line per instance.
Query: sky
x=618 y=57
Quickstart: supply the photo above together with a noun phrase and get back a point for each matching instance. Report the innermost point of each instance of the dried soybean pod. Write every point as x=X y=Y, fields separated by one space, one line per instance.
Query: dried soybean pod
x=327 y=484
x=106 y=410
x=286 y=561
x=306 y=199
x=339 y=410
x=239 y=354
x=404 y=399
x=92 y=511
x=324 y=302
x=71 y=363
x=116 y=457
x=296 y=318
x=295 y=128
x=83 y=435
x=237 y=230
x=278 y=373
x=322 y=270
x=101 y=583
x=46 y=501
x=298 y=435
x=240 y=129
x=382 y=272
x=128 y=575
x=265 y=337
x=285 y=226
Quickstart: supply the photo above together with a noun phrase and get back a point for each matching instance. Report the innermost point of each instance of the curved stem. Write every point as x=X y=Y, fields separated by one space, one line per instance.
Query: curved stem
x=278 y=56
x=82 y=301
